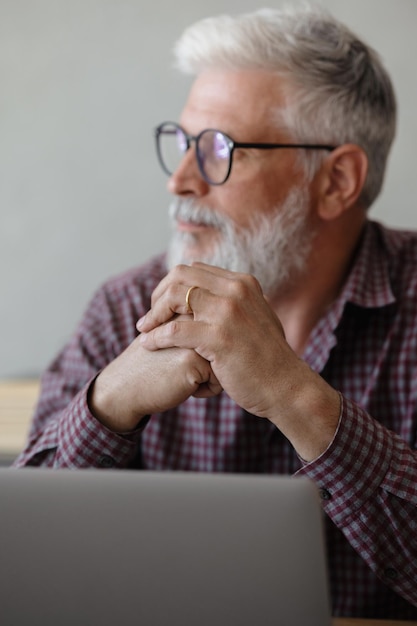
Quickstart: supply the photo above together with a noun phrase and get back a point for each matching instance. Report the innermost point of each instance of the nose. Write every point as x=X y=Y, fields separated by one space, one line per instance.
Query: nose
x=187 y=179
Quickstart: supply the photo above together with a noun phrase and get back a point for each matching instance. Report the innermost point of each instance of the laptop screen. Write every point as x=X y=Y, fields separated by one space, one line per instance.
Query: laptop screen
x=94 y=547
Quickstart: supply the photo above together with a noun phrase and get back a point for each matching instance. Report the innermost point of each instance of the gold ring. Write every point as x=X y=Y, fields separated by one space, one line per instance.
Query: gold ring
x=187 y=299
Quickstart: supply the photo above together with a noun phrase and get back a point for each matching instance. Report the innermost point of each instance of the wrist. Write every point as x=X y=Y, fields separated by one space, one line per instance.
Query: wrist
x=310 y=416
x=109 y=413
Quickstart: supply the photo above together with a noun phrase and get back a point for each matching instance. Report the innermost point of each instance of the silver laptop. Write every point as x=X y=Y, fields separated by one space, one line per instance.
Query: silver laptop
x=107 y=548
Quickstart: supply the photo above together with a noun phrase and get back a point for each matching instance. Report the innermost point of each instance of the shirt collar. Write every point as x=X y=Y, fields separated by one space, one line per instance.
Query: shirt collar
x=368 y=285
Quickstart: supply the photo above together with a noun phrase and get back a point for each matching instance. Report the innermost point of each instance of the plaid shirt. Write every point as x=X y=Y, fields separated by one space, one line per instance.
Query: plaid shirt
x=365 y=347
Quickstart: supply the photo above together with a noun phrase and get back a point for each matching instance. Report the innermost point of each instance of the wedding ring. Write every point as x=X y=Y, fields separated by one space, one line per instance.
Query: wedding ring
x=187 y=299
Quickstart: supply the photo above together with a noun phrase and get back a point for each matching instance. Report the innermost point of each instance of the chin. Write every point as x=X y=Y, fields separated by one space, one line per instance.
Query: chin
x=185 y=249
x=185 y=257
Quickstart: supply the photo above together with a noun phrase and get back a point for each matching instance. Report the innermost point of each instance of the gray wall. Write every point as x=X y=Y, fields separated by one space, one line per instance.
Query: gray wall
x=82 y=84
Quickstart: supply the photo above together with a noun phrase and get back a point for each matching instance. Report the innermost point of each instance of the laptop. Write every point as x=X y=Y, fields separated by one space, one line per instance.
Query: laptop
x=114 y=547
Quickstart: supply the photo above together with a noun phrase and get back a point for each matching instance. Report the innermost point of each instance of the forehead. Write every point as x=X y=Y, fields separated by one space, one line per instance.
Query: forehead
x=243 y=102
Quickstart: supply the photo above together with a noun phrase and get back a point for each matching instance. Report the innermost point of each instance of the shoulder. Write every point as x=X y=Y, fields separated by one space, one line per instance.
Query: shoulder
x=400 y=250
x=397 y=241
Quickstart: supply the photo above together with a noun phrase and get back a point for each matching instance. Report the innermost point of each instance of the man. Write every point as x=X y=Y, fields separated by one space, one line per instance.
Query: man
x=283 y=338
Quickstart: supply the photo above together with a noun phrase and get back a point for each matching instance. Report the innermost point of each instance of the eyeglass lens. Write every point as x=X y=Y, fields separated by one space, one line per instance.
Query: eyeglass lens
x=213 y=155
x=212 y=151
x=171 y=144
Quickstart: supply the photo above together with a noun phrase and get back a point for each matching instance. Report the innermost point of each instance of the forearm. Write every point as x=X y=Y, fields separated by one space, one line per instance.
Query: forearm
x=72 y=437
x=368 y=479
x=307 y=411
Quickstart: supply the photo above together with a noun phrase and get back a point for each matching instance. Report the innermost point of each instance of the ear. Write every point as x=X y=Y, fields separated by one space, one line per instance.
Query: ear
x=340 y=180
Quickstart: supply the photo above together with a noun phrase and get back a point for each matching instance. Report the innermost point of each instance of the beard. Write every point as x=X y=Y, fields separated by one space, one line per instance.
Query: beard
x=274 y=248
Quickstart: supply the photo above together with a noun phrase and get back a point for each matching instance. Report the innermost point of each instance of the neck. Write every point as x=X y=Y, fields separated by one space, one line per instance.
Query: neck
x=306 y=300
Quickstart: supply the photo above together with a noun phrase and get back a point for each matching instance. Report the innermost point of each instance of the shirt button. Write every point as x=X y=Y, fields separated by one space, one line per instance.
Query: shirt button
x=324 y=494
x=106 y=461
x=390 y=573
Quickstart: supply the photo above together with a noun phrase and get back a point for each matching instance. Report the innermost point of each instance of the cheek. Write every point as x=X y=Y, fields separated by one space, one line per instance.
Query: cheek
x=239 y=202
x=242 y=201
x=258 y=189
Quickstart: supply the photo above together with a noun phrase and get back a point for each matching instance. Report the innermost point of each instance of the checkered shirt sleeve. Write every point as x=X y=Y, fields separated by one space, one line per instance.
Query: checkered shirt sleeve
x=367 y=479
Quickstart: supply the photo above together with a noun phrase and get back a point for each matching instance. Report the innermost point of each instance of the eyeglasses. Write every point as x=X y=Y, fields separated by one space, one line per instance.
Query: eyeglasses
x=213 y=148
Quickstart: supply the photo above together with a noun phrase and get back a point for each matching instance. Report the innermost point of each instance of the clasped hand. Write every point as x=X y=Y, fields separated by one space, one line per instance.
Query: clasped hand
x=231 y=326
x=234 y=329
x=233 y=341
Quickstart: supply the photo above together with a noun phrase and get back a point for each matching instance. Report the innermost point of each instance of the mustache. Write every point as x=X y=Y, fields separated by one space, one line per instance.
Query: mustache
x=186 y=210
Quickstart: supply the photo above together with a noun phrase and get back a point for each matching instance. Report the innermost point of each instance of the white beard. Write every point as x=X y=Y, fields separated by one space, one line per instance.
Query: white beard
x=274 y=248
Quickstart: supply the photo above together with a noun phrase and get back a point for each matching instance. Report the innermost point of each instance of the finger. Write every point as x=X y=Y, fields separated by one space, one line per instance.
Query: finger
x=172 y=303
x=188 y=306
x=175 y=334
x=211 y=387
x=217 y=271
x=214 y=269
x=178 y=275
x=186 y=275
x=227 y=274
x=186 y=290
x=181 y=293
x=207 y=390
x=172 y=290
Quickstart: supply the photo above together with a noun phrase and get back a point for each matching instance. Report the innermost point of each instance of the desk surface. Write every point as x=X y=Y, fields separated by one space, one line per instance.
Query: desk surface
x=17 y=401
x=347 y=621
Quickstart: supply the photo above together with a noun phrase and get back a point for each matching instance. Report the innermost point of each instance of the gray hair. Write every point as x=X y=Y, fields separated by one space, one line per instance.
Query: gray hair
x=339 y=90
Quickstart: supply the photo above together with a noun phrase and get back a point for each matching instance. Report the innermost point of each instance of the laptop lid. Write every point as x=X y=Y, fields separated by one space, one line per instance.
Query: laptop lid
x=104 y=548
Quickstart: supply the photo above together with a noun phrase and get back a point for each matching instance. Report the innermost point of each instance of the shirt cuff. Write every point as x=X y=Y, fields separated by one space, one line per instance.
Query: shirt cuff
x=84 y=442
x=354 y=465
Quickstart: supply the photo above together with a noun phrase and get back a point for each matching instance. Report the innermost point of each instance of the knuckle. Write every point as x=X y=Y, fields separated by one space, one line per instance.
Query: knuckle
x=193 y=364
x=247 y=283
x=171 y=328
x=239 y=288
x=230 y=307
x=187 y=357
x=197 y=373
x=235 y=291
x=253 y=283
x=240 y=291
x=178 y=271
x=171 y=292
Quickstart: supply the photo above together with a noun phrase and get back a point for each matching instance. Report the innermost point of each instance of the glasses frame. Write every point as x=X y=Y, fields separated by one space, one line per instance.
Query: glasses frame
x=232 y=145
